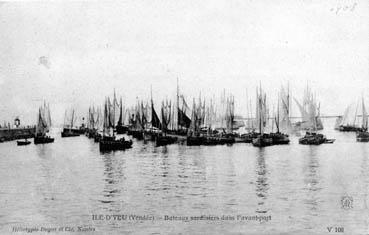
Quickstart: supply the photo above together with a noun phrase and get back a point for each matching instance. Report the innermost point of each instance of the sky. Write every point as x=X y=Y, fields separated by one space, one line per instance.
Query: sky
x=73 y=54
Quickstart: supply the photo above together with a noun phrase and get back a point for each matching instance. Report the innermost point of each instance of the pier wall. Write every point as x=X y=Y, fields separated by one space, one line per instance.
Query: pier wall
x=7 y=134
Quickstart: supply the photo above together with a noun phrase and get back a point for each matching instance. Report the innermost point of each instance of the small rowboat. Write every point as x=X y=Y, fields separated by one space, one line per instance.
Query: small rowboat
x=23 y=142
x=329 y=141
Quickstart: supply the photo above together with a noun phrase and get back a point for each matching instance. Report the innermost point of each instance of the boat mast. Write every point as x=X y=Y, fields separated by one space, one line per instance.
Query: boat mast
x=289 y=107
x=277 y=121
x=355 y=113
x=72 y=121
x=260 y=111
x=152 y=107
x=364 y=115
x=105 y=118
x=177 y=105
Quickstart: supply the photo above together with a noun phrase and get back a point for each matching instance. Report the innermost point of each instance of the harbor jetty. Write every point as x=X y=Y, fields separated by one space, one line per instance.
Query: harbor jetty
x=8 y=134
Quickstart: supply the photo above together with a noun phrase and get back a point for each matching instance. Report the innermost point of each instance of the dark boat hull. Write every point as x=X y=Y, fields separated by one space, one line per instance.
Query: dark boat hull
x=110 y=145
x=312 y=139
x=279 y=138
x=165 y=140
x=21 y=143
x=262 y=141
x=362 y=136
x=69 y=134
x=209 y=140
x=195 y=140
x=43 y=140
x=349 y=128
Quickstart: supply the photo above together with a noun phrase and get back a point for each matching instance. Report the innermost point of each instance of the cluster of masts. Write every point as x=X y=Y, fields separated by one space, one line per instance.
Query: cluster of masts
x=205 y=122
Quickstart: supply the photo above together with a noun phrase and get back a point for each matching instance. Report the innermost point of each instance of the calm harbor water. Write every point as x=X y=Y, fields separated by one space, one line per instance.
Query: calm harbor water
x=300 y=187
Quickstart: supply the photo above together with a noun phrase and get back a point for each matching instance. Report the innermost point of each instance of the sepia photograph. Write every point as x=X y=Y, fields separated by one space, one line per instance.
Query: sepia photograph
x=184 y=117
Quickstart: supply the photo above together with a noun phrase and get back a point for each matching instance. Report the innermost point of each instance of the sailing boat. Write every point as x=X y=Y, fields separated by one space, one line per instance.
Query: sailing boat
x=183 y=119
x=348 y=122
x=312 y=137
x=92 y=122
x=194 y=136
x=251 y=134
x=121 y=128
x=278 y=137
x=363 y=135
x=99 y=125
x=43 y=126
x=163 y=138
x=229 y=137
x=68 y=130
x=141 y=121
x=309 y=109
x=262 y=139
x=108 y=141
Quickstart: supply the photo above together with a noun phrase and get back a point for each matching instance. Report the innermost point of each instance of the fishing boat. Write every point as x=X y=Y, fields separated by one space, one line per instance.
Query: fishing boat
x=208 y=128
x=312 y=138
x=309 y=109
x=180 y=120
x=43 y=126
x=193 y=140
x=163 y=138
x=349 y=121
x=195 y=137
x=138 y=121
x=23 y=142
x=68 y=130
x=121 y=128
x=94 y=122
x=109 y=144
x=263 y=139
x=278 y=137
x=362 y=135
x=249 y=125
x=248 y=137
x=42 y=139
x=108 y=141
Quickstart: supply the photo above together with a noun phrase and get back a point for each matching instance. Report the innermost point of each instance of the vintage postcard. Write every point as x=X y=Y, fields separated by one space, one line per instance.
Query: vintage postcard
x=184 y=117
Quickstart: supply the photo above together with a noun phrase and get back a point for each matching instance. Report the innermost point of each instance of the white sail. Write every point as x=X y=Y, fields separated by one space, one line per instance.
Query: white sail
x=310 y=112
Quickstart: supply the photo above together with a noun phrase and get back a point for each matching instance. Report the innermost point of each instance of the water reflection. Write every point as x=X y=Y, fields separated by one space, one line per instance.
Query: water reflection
x=311 y=180
x=44 y=150
x=262 y=185
x=113 y=174
x=365 y=173
x=300 y=186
